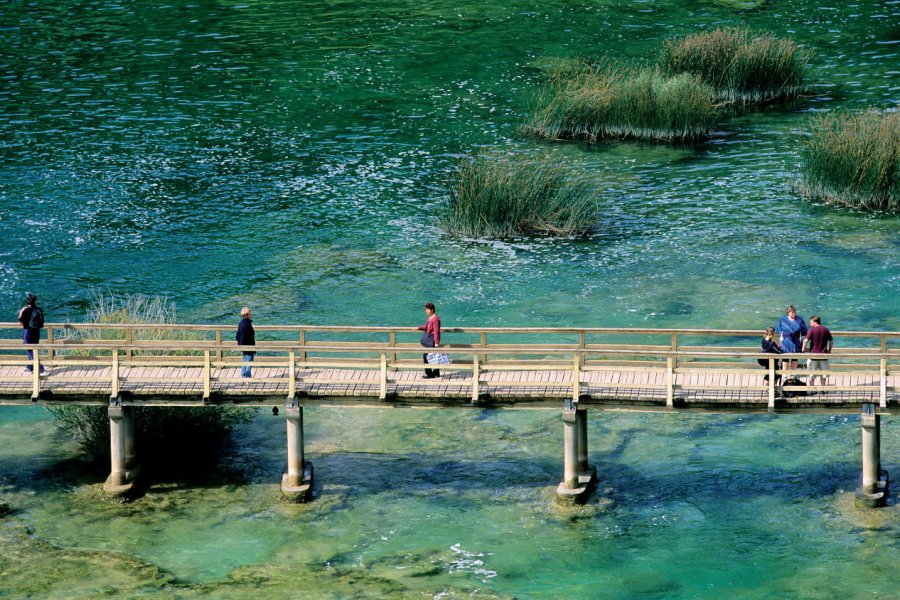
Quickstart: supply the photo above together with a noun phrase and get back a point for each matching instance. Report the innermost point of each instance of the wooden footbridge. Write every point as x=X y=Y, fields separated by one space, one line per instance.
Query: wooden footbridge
x=129 y=365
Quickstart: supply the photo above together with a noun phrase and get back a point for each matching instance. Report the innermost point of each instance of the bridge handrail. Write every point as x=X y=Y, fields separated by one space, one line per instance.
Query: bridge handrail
x=413 y=329
x=365 y=347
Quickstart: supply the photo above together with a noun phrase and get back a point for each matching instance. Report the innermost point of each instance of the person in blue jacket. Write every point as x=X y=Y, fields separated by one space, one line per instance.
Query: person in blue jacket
x=791 y=327
x=246 y=336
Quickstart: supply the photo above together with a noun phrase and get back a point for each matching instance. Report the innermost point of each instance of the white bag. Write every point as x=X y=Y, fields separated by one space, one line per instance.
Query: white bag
x=438 y=358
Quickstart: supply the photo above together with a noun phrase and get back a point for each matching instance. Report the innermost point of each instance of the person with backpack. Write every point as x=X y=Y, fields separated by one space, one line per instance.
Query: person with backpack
x=31 y=317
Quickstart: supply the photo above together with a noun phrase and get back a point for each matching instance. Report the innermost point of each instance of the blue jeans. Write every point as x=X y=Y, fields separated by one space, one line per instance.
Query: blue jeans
x=31 y=336
x=245 y=370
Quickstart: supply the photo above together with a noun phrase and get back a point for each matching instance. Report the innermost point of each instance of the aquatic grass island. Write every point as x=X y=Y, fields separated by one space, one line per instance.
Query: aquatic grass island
x=853 y=160
x=741 y=66
x=616 y=101
x=294 y=157
x=507 y=195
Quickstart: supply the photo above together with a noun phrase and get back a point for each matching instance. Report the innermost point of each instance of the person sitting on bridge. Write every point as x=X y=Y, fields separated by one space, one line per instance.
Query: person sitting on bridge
x=770 y=346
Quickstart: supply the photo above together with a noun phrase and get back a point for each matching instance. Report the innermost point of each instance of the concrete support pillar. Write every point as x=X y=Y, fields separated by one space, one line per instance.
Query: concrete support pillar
x=296 y=483
x=128 y=422
x=570 y=449
x=872 y=489
x=295 y=458
x=117 y=475
x=578 y=476
x=581 y=425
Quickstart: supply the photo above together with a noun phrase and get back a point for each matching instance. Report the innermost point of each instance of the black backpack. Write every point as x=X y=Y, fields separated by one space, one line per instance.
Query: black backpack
x=36 y=319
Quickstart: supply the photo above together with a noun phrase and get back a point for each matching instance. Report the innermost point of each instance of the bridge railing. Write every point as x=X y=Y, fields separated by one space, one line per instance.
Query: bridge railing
x=112 y=349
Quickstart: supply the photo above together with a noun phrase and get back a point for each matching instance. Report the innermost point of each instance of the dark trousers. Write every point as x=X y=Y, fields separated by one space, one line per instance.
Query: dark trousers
x=31 y=336
x=430 y=372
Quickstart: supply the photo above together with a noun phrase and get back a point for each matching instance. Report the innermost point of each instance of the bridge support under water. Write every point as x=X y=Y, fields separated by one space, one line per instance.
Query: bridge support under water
x=872 y=490
x=296 y=483
x=123 y=466
x=579 y=477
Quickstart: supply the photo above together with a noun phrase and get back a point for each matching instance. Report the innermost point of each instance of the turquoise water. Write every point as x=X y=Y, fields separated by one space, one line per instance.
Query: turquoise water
x=289 y=156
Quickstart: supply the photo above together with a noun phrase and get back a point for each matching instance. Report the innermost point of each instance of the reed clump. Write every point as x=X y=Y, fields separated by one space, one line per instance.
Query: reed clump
x=741 y=66
x=854 y=160
x=497 y=196
x=619 y=102
x=162 y=433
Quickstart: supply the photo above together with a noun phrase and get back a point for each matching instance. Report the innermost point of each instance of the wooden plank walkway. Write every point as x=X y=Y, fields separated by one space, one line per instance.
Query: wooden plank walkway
x=716 y=390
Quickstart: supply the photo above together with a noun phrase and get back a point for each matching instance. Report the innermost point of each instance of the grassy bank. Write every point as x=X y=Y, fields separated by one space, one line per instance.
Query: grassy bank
x=162 y=433
x=740 y=66
x=854 y=160
x=509 y=196
x=617 y=102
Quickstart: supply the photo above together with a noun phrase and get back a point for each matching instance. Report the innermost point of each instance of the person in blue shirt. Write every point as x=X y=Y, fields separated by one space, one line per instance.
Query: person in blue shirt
x=791 y=327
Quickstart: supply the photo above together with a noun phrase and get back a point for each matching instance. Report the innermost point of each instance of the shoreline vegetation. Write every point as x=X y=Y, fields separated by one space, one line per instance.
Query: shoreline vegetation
x=853 y=160
x=507 y=196
x=164 y=432
x=695 y=82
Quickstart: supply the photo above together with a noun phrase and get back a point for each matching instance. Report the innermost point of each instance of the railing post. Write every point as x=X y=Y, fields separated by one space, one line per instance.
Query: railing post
x=670 y=381
x=219 y=364
x=51 y=338
x=675 y=349
x=129 y=340
x=392 y=341
x=207 y=376
x=576 y=378
x=484 y=358
x=476 y=376
x=883 y=373
x=771 y=384
x=115 y=373
x=35 y=375
x=581 y=347
x=292 y=374
x=382 y=391
x=303 y=343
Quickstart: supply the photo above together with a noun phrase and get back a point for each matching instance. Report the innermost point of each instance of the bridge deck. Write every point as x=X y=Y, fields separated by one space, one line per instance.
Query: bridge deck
x=639 y=389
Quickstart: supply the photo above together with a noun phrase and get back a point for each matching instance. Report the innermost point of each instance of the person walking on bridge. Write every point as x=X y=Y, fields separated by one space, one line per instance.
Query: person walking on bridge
x=31 y=317
x=821 y=342
x=792 y=328
x=431 y=338
x=246 y=336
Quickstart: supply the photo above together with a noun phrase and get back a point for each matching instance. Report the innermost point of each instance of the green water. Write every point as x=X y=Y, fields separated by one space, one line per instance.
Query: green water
x=289 y=156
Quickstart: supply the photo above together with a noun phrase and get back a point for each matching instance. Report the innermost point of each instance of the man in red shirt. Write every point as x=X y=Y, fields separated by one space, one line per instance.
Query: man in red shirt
x=821 y=342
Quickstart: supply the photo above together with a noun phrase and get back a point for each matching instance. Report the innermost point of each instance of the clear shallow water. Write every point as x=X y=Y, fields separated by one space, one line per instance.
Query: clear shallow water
x=289 y=155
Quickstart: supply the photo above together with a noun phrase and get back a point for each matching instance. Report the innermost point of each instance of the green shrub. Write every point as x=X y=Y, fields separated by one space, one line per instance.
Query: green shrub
x=508 y=196
x=616 y=102
x=160 y=432
x=854 y=160
x=740 y=66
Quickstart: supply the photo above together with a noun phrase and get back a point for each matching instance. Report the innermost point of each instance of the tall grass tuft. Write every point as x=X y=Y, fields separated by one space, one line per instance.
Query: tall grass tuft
x=617 y=102
x=497 y=196
x=162 y=433
x=742 y=67
x=854 y=160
